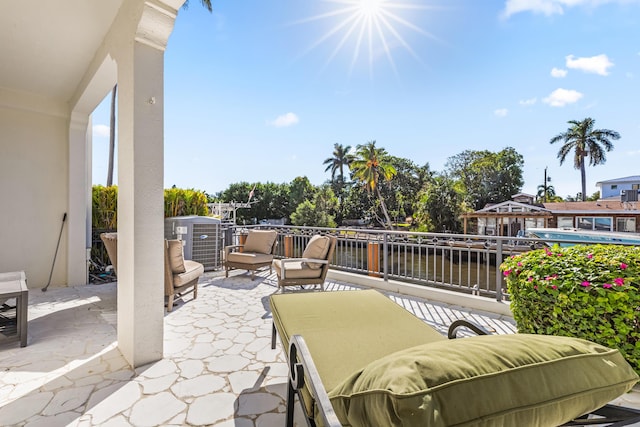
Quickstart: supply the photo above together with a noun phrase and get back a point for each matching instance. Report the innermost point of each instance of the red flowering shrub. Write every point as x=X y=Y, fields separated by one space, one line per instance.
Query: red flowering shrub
x=585 y=291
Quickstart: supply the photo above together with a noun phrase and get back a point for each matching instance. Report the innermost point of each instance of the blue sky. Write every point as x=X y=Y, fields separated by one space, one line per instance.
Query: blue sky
x=261 y=90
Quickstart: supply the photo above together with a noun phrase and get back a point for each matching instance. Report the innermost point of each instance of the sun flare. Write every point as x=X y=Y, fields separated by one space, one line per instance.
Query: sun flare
x=370 y=8
x=372 y=27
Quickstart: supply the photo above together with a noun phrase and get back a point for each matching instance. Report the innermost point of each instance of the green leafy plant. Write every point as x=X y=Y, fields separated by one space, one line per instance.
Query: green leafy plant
x=104 y=212
x=585 y=291
x=177 y=202
x=180 y=202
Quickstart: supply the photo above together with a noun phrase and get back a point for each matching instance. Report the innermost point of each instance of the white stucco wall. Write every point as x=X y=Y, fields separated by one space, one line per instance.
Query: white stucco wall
x=33 y=187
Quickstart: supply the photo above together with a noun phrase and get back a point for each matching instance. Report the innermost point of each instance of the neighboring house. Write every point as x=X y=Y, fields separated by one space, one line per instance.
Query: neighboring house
x=603 y=215
x=626 y=188
x=507 y=218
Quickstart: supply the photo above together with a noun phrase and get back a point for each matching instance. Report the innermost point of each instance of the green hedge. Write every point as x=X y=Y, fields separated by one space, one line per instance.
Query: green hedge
x=177 y=202
x=585 y=291
x=104 y=210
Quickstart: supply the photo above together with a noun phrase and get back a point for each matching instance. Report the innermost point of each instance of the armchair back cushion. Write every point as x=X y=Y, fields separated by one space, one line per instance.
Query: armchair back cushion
x=506 y=380
x=175 y=253
x=260 y=241
x=317 y=248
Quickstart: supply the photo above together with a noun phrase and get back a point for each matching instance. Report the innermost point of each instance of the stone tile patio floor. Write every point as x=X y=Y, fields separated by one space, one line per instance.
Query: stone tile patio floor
x=219 y=368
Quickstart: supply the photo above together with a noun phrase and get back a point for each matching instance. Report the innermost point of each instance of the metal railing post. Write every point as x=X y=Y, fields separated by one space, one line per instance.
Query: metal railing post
x=498 y=272
x=385 y=257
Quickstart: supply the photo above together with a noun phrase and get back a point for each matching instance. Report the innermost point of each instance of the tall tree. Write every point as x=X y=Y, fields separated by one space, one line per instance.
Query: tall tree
x=112 y=135
x=205 y=3
x=401 y=194
x=371 y=166
x=336 y=163
x=440 y=206
x=112 y=119
x=486 y=177
x=585 y=141
x=546 y=192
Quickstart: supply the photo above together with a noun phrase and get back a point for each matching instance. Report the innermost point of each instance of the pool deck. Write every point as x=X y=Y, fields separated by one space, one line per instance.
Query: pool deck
x=218 y=367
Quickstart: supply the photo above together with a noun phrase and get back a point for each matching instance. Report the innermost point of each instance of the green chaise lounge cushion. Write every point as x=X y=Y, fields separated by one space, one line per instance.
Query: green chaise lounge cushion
x=346 y=330
x=498 y=380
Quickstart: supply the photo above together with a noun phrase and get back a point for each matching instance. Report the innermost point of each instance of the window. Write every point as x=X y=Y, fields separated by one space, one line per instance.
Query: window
x=565 y=222
x=603 y=224
x=614 y=186
x=626 y=225
x=594 y=223
x=635 y=186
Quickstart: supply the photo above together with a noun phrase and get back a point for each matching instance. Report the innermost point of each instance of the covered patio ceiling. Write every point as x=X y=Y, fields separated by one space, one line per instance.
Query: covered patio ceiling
x=51 y=44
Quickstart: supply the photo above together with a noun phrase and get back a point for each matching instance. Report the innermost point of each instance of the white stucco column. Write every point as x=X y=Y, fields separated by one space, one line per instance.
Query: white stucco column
x=79 y=186
x=141 y=190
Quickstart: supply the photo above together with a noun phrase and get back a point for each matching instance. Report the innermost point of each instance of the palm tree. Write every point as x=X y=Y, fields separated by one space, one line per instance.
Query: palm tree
x=369 y=167
x=341 y=158
x=546 y=192
x=205 y=3
x=112 y=122
x=112 y=135
x=585 y=141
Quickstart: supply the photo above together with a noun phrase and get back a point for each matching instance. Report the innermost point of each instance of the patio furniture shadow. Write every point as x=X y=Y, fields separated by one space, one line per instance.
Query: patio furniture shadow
x=263 y=403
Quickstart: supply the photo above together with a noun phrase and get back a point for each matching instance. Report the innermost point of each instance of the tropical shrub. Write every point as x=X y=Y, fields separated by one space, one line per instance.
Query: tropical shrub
x=180 y=202
x=177 y=202
x=104 y=210
x=308 y=214
x=585 y=291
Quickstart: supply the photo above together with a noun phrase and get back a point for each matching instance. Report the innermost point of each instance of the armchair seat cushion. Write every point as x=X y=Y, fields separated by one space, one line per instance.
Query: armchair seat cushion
x=249 y=258
x=297 y=270
x=193 y=270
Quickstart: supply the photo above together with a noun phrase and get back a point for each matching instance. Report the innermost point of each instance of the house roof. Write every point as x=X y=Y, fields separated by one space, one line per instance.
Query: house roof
x=599 y=207
x=506 y=209
x=511 y=209
x=509 y=205
x=633 y=178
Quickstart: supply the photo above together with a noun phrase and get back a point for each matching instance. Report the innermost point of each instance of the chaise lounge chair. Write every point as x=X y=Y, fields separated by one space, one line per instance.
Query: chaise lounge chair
x=256 y=252
x=357 y=358
x=312 y=268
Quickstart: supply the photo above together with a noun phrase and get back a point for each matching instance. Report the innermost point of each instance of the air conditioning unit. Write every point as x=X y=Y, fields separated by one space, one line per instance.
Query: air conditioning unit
x=202 y=236
x=628 y=195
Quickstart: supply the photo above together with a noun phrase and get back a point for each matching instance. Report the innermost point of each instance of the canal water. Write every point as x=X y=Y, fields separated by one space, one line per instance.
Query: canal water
x=458 y=268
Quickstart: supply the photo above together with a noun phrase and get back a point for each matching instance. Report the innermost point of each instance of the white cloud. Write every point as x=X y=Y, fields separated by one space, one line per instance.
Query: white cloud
x=284 y=120
x=546 y=7
x=501 y=112
x=527 y=102
x=598 y=64
x=561 y=97
x=550 y=7
x=101 y=130
x=558 y=73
